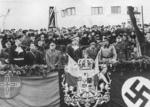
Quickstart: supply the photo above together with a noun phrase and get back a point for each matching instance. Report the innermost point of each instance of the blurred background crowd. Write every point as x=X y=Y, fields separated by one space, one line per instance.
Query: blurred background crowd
x=28 y=47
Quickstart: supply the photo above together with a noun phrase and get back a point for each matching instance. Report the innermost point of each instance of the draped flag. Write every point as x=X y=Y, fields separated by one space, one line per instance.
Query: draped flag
x=101 y=74
x=34 y=92
x=97 y=63
x=52 y=19
x=72 y=67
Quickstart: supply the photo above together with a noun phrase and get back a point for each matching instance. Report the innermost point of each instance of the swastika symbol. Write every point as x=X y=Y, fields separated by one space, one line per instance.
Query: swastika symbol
x=139 y=94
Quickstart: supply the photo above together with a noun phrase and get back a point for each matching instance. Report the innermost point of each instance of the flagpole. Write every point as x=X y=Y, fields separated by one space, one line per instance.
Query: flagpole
x=5 y=16
x=142 y=19
x=56 y=23
x=48 y=17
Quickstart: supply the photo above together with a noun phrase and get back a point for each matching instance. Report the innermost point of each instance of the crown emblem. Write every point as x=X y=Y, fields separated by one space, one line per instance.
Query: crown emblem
x=86 y=64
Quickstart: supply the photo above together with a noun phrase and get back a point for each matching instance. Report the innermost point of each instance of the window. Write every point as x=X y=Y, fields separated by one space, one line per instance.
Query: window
x=71 y=11
x=96 y=10
x=115 y=9
x=68 y=12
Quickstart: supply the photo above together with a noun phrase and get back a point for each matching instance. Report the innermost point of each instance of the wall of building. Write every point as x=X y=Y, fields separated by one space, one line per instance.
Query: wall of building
x=83 y=12
x=28 y=14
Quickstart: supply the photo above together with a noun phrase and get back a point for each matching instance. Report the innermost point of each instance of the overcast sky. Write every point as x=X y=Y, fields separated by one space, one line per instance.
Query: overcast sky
x=24 y=13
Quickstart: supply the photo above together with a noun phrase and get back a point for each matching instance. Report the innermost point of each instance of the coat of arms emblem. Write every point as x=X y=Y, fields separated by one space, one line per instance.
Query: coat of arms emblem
x=86 y=86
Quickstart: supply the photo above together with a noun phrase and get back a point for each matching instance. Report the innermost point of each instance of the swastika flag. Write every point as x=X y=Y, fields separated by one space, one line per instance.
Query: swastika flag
x=131 y=88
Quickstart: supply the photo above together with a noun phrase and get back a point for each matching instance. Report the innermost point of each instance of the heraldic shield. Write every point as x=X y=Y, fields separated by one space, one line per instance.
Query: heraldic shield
x=84 y=85
x=10 y=85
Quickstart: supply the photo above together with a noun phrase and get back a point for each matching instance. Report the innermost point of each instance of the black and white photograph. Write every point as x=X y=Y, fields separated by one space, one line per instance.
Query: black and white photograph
x=74 y=53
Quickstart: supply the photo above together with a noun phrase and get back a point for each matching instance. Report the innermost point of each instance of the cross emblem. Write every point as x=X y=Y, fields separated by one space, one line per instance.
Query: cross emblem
x=7 y=84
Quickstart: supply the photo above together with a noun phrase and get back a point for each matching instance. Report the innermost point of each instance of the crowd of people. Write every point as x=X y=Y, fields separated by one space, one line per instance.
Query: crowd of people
x=51 y=47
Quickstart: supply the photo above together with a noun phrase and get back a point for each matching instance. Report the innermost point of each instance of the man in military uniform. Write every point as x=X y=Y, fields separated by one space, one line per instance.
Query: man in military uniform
x=107 y=52
x=120 y=48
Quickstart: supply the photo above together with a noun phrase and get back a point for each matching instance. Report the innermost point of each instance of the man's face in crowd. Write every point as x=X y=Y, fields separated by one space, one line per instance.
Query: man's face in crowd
x=8 y=44
x=66 y=36
x=74 y=42
x=52 y=46
x=93 y=34
x=36 y=32
x=85 y=55
x=42 y=37
x=132 y=33
x=17 y=42
x=33 y=38
x=129 y=38
x=118 y=39
x=23 y=38
x=92 y=45
x=50 y=37
x=85 y=35
x=106 y=42
x=44 y=31
x=113 y=34
x=124 y=37
x=32 y=46
x=40 y=43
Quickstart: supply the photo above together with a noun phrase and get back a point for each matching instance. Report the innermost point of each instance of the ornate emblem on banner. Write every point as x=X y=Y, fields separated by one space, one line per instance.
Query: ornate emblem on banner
x=92 y=89
x=9 y=85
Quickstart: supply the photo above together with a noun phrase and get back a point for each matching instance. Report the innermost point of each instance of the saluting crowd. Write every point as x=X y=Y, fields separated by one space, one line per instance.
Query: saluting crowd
x=51 y=47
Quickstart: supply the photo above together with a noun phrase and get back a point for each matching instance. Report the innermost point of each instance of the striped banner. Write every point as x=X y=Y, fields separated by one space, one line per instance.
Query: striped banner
x=51 y=17
x=33 y=92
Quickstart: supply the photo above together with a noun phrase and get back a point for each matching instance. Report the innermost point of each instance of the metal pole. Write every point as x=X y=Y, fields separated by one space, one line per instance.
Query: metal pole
x=48 y=17
x=142 y=20
x=56 y=21
x=143 y=31
x=5 y=16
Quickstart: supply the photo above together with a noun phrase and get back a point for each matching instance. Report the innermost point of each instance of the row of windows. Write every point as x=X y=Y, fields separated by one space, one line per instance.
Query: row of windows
x=94 y=11
x=99 y=10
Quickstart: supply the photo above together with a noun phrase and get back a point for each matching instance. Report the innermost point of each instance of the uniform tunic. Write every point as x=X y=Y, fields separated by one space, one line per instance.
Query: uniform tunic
x=107 y=53
x=121 y=51
x=92 y=52
x=52 y=59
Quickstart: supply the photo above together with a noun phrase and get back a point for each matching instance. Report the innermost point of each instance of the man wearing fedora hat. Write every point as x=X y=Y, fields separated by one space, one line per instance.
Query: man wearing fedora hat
x=74 y=50
x=18 y=53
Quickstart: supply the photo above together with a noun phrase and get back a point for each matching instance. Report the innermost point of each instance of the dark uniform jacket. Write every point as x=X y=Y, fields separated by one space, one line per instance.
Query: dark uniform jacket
x=17 y=58
x=34 y=57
